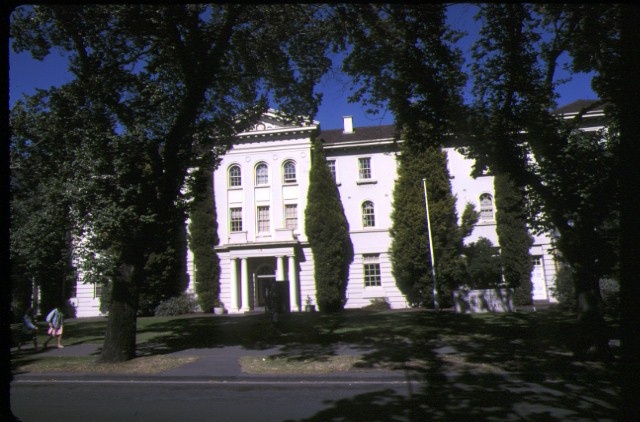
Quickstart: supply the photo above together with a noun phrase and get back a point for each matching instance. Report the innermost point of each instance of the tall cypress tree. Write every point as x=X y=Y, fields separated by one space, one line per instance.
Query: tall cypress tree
x=203 y=237
x=514 y=238
x=410 y=255
x=327 y=229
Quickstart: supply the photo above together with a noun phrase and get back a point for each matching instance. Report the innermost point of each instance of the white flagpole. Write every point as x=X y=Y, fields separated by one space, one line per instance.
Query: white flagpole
x=433 y=261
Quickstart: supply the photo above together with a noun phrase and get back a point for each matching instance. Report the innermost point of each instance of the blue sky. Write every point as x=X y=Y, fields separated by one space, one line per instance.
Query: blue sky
x=27 y=74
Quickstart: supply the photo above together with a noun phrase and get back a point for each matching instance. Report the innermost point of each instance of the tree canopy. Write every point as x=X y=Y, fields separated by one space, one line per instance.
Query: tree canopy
x=155 y=86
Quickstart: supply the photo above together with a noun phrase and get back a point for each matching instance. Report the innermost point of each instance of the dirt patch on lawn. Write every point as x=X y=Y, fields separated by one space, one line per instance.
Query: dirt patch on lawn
x=142 y=365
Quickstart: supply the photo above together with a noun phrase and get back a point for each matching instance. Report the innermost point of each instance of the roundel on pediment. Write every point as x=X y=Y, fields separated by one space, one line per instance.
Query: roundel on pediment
x=260 y=126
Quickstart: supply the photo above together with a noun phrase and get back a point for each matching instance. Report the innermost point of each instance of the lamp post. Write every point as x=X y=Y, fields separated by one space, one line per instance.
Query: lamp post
x=433 y=261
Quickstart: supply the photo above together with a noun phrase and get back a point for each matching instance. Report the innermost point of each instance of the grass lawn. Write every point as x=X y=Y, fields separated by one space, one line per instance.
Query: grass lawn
x=531 y=342
x=516 y=366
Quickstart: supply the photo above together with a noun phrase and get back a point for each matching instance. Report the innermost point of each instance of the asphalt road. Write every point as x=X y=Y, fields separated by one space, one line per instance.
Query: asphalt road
x=237 y=401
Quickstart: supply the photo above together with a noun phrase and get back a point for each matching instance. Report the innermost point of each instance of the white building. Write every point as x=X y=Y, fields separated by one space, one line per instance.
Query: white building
x=260 y=192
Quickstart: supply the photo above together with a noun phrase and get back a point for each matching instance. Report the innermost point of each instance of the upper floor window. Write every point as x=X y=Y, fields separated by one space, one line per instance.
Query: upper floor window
x=264 y=220
x=371 y=270
x=291 y=216
x=262 y=174
x=368 y=214
x=235 y=176
x=289 y=172
x=486 y=207
x=332 y=169
x=364 y=168
x=235 y=219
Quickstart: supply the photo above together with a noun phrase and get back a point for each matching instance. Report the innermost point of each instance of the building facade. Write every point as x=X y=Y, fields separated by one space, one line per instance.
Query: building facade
x=260 y=192
x=260 y=189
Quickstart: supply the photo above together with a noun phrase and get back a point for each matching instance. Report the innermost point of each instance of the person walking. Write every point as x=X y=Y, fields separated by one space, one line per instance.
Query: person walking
x=29 y=329
x=55 y=318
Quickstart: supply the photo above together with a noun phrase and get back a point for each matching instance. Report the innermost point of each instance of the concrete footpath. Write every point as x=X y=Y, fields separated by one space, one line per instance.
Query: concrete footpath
x=212 y=364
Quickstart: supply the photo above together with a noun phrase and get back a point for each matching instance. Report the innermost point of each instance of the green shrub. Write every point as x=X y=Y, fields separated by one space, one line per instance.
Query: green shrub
x=564 y=289
x=610 y=290
x=179 y=305
x=378 y=304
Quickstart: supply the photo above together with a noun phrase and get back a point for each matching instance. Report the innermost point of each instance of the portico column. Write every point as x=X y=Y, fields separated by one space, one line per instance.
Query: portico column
x=234 y=306
x=293 y=285
x=279 y=268
x=244 y=280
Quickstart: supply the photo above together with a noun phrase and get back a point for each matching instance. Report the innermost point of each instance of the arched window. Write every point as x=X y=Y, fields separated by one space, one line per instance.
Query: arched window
x=289 y=171
x=486 y=207
x=368 y=214
x=262 y=174
x=235 y=176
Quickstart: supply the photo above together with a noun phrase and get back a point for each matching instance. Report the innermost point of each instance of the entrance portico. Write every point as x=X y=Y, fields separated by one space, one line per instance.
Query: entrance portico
x=247 y=277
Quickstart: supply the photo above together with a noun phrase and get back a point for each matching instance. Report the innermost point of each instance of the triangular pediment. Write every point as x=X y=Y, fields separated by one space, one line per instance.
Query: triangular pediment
x=273 y=122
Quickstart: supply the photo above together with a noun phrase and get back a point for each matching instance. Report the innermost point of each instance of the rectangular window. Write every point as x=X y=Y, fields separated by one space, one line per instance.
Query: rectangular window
x=291 y=216
x=332 y=168
x=263 y=220
x=236 y=219
x=97 y=291
x=371 y=270
x=364 y=168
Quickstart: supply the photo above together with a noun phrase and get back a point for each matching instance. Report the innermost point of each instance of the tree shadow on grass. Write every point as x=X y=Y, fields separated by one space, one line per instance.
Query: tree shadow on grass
x=494 y=367
x=516 y=366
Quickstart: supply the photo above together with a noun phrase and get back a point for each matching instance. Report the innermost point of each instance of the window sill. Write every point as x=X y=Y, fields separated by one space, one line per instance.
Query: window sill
x=366 y=182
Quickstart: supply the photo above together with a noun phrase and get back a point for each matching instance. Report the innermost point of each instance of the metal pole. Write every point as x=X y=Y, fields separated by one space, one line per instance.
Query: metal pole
x=433 y=261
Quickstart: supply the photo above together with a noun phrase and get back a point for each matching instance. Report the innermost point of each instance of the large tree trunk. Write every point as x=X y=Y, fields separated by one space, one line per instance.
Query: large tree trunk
x=120 y=338
x=593 y=332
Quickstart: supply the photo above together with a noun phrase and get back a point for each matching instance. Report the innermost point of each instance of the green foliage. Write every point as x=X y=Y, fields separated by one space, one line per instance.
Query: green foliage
x=327 y=229
x=203 y=238
x=143 y=104
x=410 y=255
x=165 y=269
x=610 y=289
x=403 y=60
x=41 y=220
x=564 y=290
x=378 y=304
x=179 y=305
x=483 y=265
x=514 y=238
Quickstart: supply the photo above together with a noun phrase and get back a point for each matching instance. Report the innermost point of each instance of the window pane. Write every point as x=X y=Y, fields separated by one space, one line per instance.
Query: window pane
x=291 y=216
x=289 y=172
x=368 y=215
x=364 y=166
x=263 y=220
x=235 y=176
x=236 y=219
x=262 y=174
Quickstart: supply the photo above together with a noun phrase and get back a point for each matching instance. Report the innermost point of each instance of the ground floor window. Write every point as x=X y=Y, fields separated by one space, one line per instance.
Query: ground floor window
x=371 y=270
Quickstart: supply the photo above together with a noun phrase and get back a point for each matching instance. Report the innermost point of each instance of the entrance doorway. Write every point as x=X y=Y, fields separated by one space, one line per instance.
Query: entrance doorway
x=264 y=276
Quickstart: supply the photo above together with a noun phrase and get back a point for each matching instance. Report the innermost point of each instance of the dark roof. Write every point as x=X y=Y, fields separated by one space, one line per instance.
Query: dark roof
x=364 y=133
x=575 y=106
x=371 y=133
